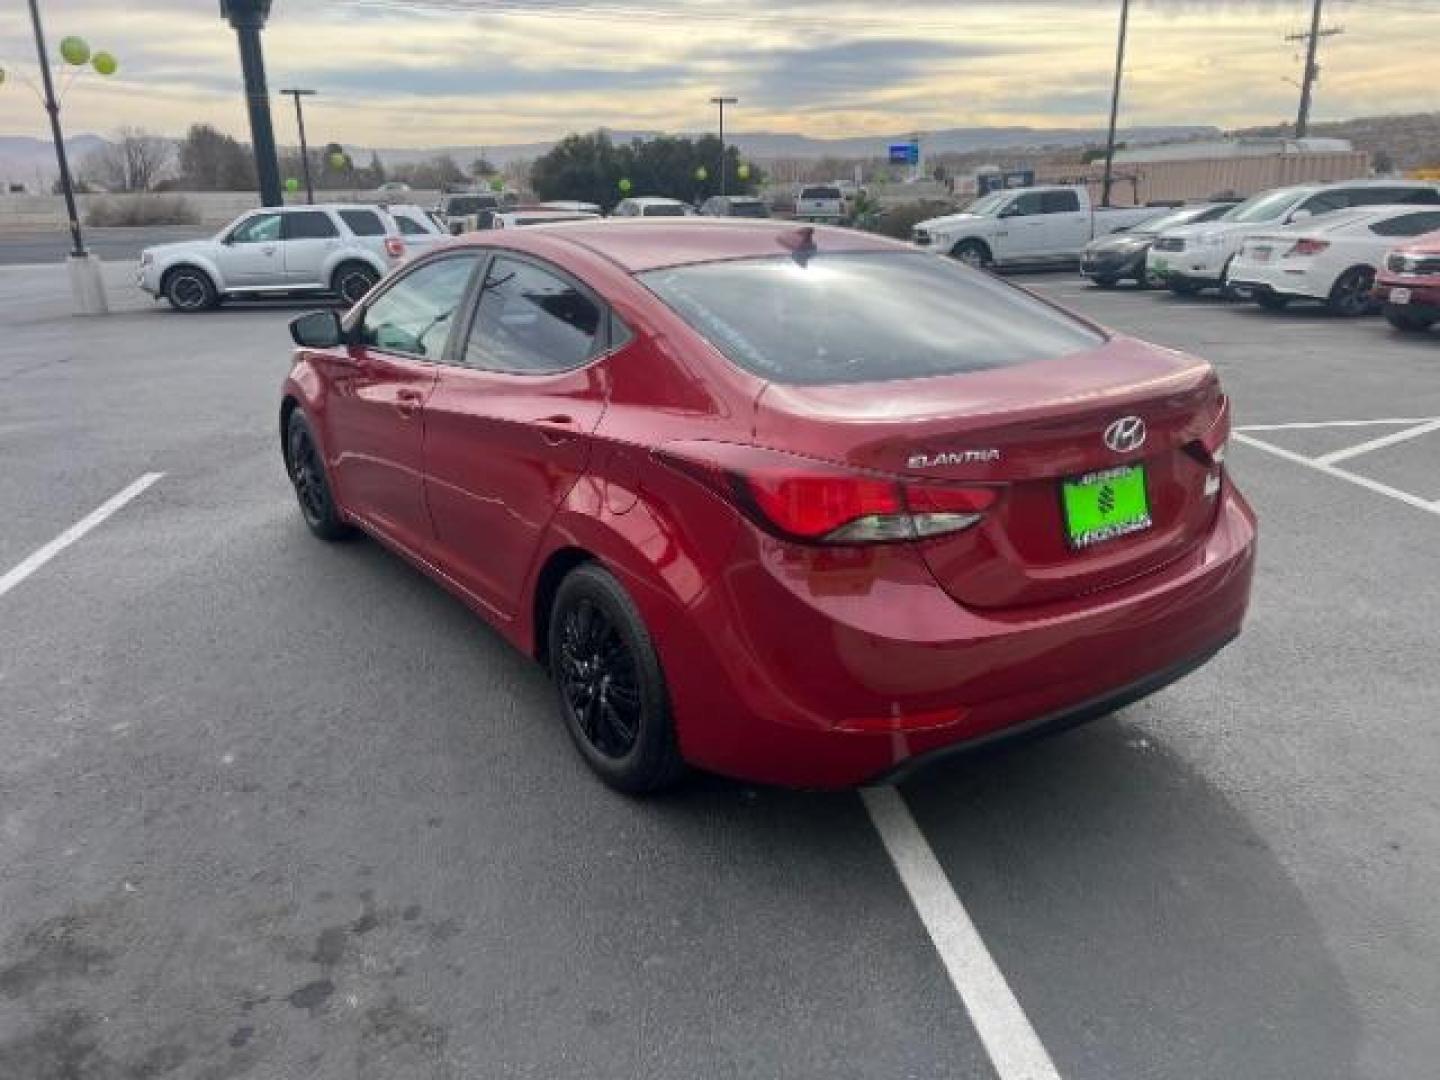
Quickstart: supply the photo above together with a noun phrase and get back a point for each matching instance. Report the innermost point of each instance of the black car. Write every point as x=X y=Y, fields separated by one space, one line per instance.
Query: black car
x=1120 y=256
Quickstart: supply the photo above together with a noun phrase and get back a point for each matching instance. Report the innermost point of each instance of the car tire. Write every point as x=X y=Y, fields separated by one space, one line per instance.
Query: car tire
x=1106 y=282
x=1408 y=321
x=1271 y=302
x=608 y=684
x=352 y=280
x=1228 y=291
x=189 y=289
x=973 y=253
x=1351 y=294
x=306 y=466
x=1184 y=288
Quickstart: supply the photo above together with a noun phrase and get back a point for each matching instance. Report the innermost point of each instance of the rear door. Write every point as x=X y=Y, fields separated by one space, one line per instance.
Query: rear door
x=375 y=413
x=368 y=228
x=1067 y=226
x=508 y=429
x=309 y=238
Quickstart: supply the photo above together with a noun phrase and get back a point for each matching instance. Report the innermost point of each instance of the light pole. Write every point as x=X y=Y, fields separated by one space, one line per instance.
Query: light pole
x=247 y=17
x=722 y=101
x=1115 y=104
x=297 y=94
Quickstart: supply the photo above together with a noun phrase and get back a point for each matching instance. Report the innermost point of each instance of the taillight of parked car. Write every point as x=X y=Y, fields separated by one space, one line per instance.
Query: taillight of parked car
x=395 y=247
x=815 y=502
x=1308 y=247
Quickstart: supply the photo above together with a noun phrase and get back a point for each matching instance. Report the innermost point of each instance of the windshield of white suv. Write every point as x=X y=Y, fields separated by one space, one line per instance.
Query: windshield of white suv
x=989 y=204
x=1269 y=206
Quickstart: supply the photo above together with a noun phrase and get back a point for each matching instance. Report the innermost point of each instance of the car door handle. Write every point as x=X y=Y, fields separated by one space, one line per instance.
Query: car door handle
x=556 y=428
x=268 y=250
x=407 y=402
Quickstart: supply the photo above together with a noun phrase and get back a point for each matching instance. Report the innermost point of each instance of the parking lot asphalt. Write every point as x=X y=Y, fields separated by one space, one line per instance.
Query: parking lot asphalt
x=271 y=808
x=25 y=247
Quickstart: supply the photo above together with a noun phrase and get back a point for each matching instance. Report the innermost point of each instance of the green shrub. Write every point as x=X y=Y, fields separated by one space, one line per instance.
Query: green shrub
x=132 y=210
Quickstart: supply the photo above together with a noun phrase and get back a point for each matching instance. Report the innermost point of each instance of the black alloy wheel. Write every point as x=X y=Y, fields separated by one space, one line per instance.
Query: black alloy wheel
x=312 y=489
x=1351 y=295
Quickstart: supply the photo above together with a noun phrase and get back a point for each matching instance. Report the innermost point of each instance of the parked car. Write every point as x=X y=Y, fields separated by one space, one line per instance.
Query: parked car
x=515 y=219
x=1408 y=284
x=1332 y=259
x=1120 y=256
x=747 y=206
x=341 y=249
x=576 y=207
x=650 y=206
x=420 y=229
x=820 y=202
x=1192 y=258
x=652 y=458
x=1026 y=225
x=468 y=211
x=392 y=187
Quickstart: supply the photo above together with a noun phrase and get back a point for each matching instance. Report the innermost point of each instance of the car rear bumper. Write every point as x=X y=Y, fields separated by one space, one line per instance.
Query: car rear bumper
x=831 y=669
x=1423 y=300
x=1112 y=266
x=1274 y=279
x=1197 y=265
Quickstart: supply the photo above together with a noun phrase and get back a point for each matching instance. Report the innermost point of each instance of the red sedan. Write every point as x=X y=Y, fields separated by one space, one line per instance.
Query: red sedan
x=798 y=505
x=1409 y=284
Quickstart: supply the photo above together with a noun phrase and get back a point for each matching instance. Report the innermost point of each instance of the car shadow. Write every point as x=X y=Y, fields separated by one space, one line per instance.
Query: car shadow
x=1145 y=927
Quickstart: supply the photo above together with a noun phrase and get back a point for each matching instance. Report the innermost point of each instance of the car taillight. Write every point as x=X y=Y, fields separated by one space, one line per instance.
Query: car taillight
x=1209 y=449
x=394 y=247
x=816 y=502
x=1308 y=247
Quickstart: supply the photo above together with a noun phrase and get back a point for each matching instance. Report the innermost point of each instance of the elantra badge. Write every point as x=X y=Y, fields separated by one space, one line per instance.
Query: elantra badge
x=1126 y=435
x=954 y=457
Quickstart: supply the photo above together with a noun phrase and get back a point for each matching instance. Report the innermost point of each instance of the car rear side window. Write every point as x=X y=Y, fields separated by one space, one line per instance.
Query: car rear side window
x=530 y=321
x=309 y=225
x=850 y=318
x=1400 y=196
x=409 y=226
x=414 y=315
x=1060 y=202
x=1415 y=224
x=363 y=222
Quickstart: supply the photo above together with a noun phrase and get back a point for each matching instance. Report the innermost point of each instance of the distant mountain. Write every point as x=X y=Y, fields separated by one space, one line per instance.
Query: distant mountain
x=769 y=145
x=30 y=161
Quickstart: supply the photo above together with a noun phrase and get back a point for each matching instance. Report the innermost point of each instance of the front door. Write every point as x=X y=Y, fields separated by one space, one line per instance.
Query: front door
x=380 y=386
x=251 y=254
x=508 y=428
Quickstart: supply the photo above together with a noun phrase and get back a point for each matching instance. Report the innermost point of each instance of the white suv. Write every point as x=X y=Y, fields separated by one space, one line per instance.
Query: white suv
x=342 y=249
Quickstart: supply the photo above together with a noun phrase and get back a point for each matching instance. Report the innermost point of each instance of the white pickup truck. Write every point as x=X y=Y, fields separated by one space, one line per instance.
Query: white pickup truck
x=1026 y=225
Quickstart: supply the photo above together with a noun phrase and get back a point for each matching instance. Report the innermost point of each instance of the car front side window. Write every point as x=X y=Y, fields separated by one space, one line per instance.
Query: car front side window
x=414 y=315
x=260 y=229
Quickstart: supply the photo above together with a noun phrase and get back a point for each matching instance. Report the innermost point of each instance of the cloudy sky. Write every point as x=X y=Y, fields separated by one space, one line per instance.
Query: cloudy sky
x=429 y=72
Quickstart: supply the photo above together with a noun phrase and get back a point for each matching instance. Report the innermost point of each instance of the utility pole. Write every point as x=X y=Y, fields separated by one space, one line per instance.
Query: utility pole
x=247 y=17
x=1115 y=104
x=1312 y=69
x=52 y=106
x=722 y=102
x=297 y=94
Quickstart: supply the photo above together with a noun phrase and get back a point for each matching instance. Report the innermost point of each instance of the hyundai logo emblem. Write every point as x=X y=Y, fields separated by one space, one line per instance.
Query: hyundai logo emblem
x=1125 y=435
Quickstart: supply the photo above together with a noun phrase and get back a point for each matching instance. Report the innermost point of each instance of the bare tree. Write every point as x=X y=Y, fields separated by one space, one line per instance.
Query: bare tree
x=133 y=161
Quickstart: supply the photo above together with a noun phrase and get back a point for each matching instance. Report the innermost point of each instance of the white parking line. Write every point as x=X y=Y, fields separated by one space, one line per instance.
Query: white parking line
x=1380 y=443
x=1310 y=425
x=1014 y=1048
x=40 y=556
x=1341 y=474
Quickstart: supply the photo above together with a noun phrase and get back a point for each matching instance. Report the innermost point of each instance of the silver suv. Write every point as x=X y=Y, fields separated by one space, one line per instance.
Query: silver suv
x=341 y=249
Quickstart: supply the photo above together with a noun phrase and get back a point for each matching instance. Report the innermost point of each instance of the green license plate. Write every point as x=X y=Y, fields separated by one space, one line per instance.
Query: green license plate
x=1104 y=505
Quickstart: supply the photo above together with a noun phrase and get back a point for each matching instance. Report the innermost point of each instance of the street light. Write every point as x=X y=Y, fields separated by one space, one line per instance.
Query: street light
x=247 y=17
x=297 y=94
x=722 y=102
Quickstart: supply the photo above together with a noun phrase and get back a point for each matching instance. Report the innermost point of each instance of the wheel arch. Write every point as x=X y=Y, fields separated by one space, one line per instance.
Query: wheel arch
x=344 y=258
x=973 y=241
x=557 y=565
x=190 y=262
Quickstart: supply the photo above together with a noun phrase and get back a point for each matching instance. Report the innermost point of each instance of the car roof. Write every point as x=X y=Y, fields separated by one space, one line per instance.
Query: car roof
x=644 y=244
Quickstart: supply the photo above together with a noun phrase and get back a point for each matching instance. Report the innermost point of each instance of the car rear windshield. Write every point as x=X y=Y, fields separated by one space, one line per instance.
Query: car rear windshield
x=820 y=193
x=755 y=209
x=471 y=204
x=850 y=318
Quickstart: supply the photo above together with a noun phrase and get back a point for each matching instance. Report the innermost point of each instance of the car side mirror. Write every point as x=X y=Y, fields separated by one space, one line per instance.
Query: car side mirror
x=318 y=330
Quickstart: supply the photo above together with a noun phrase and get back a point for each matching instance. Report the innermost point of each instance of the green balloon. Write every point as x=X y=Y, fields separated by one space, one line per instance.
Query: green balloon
x=743 y=171
x=105 y=63
x=702 y=174
x=497 y=184
x=337 y=161
x=74 y=50
x=625 y=185
x=291 y=184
